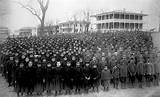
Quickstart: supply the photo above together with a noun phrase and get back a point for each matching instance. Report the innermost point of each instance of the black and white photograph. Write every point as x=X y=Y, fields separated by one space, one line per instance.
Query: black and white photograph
x=79 y=48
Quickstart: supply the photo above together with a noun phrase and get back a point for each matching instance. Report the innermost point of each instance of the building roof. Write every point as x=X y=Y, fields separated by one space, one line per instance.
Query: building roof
x=4 y=28
x=27 y=29
x=72 y=22
x=119 y=11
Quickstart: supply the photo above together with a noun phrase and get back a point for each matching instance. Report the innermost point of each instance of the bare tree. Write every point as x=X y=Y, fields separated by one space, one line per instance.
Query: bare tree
x=87 y=19
x=84 y=16
x=39 y=13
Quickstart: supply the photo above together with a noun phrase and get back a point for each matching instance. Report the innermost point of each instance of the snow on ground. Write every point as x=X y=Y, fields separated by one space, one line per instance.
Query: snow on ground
x=135 y=92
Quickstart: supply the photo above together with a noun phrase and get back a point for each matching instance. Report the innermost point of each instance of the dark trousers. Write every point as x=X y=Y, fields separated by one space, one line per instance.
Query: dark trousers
x=123 y=82
x=115 y=82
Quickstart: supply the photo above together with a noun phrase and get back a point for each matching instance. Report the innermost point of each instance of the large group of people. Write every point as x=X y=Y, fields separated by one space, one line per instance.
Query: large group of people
x=79 y=62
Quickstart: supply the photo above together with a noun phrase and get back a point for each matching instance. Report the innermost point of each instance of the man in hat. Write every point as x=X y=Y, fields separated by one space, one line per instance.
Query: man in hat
x=78 y=77
x=10 y=64
x=105 y=78
x=95 y=76
x=44 y=77
x=58 y=76
x=87 y=77
x=68 y=78
x=20 y=79
x=115 y=74
x=132 y=71
x=140 y=72
x=39 y=79
x=149 y=72
x=49 y=77
x=123 y=72
x=30 y=77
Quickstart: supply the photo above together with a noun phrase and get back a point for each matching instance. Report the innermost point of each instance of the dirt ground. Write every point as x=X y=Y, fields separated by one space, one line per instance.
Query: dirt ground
x=135 y=92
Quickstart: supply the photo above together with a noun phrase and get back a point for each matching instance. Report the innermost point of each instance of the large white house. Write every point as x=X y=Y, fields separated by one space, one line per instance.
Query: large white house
x=27 y=32
x=119 y=20
x=73 y=26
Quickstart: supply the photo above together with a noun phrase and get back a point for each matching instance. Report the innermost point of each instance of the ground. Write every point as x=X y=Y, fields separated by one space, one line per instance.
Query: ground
x=136 y=92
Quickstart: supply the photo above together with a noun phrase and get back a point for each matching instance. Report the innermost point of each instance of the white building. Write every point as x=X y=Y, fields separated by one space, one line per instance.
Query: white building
x=27 y=32
x=4 y=33
x=73 y=26
x=49 y=30
x=119 y=20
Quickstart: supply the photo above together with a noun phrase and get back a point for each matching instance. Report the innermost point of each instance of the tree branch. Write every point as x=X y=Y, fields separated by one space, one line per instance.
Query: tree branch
x=31 y=10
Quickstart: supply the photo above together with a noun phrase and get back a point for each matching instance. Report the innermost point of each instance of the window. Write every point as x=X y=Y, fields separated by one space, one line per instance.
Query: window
x=136 y=17
x=116 y=16
x=121 y=16
x=132 y=17
x=107 y=16
x=116 y=25
x=103 y=25
x=121 y=25
x=99 y=18
x=140 y=18
x=111 y=25
x=136 y=25
x=131 y=25
x=140 y=26
x=111 y=16
x=127 y=25
x=103 y=17
x=126 y=16
x=106 y=25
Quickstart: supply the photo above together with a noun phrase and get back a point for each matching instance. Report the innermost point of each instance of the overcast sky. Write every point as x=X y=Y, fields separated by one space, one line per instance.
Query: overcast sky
x=4 y=12
x=61 y=10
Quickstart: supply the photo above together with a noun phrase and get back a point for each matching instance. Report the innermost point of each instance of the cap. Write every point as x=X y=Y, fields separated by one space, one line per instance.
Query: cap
x=49 y=65
x=94 y=66
x=53 y=59
x=27 y=59
x=44 y=60
x=30 y=64
x=87 y=64
x=58 y=64
x=11 y=58
x=16 y=60
x=36 y=60
x=21 y=65
x=68 y=64
x=65 y=58
x=105 y=68
x=39 y=65
x=23 y=56
x=73 y=58
x=78 y=63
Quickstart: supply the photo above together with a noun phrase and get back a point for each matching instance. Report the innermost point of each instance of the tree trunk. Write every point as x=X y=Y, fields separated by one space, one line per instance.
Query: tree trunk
x=41 y=33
